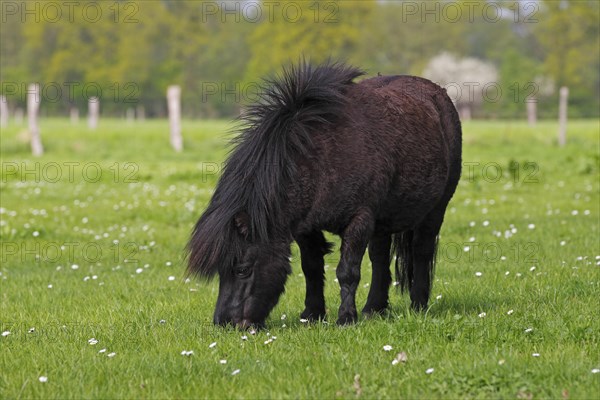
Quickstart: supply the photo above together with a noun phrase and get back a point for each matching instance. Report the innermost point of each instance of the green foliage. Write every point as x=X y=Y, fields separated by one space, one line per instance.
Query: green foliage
x=318 y=30
x=570 y=38
x=218 y=51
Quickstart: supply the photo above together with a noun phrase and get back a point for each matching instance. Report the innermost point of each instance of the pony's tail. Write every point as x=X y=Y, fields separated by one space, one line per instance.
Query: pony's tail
x=402 y=249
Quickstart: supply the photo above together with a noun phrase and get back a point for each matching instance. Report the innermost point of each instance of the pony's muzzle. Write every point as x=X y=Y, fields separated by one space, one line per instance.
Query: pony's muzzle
x=244 y=324
x=221 y=320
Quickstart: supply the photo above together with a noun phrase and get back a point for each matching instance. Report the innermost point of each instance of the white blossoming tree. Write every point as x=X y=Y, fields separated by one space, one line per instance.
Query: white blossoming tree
x=467 y=80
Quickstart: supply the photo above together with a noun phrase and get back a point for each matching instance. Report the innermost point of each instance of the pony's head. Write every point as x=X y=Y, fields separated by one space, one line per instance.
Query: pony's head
x=250 y=289
x=252 y=274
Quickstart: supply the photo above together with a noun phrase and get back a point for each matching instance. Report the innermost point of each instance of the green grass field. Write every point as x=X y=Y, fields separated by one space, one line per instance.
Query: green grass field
x=92 y=241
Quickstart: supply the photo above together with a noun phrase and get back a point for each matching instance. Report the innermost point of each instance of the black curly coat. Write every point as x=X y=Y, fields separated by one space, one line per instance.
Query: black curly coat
x=374 y=162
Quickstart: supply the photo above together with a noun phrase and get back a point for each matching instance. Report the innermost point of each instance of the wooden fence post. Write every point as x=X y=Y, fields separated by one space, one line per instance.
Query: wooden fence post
x=74 y=115
x=464 y=111
x=562 y=116
x=130 y=115
x=33 y=108
x=531 y=111
x=140 y=113
x=174 y=106
x=3 y=112
x=93 y=112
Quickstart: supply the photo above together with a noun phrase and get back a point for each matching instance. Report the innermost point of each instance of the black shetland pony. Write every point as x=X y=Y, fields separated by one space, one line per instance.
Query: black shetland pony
x=374 y=162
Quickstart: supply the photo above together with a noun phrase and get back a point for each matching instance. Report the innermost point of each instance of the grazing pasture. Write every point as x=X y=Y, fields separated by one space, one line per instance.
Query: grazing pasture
x=94 y=301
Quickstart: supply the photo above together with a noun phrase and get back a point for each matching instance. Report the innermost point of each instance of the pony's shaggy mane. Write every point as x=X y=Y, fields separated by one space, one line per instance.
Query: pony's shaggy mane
x=274 y=133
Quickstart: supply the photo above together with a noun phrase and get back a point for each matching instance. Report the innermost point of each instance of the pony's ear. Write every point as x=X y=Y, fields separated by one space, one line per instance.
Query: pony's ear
x=242 y=221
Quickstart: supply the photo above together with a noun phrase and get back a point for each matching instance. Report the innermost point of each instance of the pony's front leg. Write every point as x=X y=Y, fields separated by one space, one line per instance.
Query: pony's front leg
x=354 y=242
x=313 y=247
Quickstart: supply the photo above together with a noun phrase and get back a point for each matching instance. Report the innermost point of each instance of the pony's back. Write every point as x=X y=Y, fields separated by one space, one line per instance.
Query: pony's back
x=421 y=90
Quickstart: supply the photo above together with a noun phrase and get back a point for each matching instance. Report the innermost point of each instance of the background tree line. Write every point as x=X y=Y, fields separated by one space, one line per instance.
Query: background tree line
x=130 y=51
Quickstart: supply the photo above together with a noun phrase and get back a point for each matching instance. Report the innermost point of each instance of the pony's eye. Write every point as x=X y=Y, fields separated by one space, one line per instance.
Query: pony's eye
x=242 y=271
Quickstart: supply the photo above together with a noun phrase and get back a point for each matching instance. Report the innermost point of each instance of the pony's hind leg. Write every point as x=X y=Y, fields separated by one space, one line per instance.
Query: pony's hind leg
x=379 y=253
x=354 y=243
x=313 y=248
x=424 y=245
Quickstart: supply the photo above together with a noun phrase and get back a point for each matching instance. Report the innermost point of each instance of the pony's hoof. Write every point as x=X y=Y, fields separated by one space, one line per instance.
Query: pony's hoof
x=418 y=306
x=313 y=315
x=347 y=319
x=372 y=311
